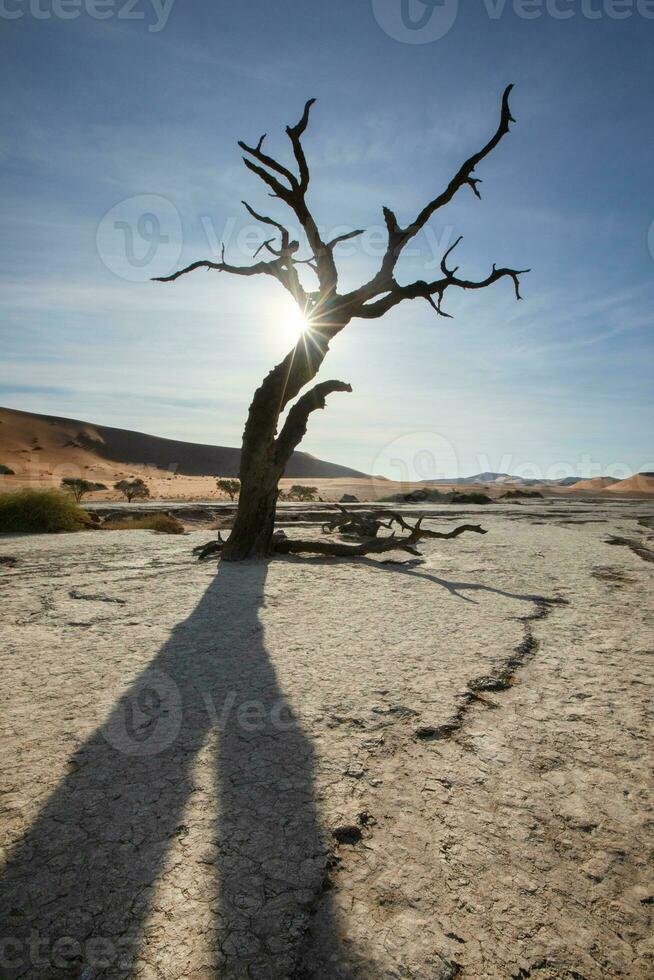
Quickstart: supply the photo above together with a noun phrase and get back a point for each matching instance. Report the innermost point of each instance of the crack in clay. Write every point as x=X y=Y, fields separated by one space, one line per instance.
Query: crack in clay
x=76 y=594
x=638 y=549
x=498 y=680
x=546 y=964
x=344 y=834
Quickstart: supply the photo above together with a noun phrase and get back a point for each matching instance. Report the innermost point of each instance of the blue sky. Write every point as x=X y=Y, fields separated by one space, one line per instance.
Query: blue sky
x=105 y=121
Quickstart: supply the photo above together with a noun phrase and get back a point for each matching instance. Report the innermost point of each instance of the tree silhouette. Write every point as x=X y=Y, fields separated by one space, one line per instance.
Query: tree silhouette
x=265 y=453
x=230 y=487
x=302 y=493
x=79 y=488
x=133 y=489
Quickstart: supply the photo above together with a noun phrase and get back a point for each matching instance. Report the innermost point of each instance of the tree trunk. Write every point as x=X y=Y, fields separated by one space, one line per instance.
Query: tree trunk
x=253 y=528
x=264 y=455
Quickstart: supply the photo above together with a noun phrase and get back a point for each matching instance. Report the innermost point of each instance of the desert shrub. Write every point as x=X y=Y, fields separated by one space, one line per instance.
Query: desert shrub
x=514 y=494
x=5 y=470
x=230 y=487
x=302 y=493
x=163 y=523
x=40 y=512
x=470 y=498
x=79 y=488
x=132 y=489
x=433 y=496
x=430 y=496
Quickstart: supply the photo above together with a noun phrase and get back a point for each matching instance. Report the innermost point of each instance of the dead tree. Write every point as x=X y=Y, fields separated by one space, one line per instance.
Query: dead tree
x=327 y=312
x=372 y=543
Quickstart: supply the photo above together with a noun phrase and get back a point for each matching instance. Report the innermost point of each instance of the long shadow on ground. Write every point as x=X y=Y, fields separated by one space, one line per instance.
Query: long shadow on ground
x=86 y=868
x=411 y=568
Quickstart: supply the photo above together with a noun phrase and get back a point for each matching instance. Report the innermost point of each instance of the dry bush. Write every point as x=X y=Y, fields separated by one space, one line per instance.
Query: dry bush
x=163 y=523
x=41 y=512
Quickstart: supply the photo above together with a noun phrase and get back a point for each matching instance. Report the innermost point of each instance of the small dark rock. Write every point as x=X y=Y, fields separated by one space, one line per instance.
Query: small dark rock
x=347 y=834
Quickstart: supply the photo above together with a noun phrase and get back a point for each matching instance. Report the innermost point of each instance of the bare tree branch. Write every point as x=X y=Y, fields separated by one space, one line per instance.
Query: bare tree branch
x=464 y=175
x=267 y=245
x=264 y=219
x=427 y=290
x=344 y=238
x=372 y=546
x=278 y=189
x=322 y=261
x=295 y=134
x=398 y=237
x=395 y=517
x=259 y=268
x=280 y=268
x=268 y=161
x=295 y=427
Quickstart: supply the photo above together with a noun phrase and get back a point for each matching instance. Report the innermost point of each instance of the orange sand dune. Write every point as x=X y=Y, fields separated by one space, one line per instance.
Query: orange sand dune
x=596 y=483
x=641 y=483
x=42 y=450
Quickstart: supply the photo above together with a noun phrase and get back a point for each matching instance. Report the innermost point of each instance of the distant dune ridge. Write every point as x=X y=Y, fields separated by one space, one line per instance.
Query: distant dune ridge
x=41 y=450
x=597 y=483
x=641 y=483
x=73 y=441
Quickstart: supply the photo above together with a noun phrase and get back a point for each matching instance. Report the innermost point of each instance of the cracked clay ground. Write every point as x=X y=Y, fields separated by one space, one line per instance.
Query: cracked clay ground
x=312 y=769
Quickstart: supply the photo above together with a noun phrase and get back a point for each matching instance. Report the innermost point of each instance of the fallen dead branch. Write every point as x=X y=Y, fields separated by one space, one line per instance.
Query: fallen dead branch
x=371 y=545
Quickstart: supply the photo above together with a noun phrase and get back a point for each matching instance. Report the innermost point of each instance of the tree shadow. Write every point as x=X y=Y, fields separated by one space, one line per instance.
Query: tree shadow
x=78 y=888
x=410 y=568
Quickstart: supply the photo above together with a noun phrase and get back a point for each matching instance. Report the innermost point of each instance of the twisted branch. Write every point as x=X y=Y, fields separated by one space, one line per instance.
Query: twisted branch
x=295 y=427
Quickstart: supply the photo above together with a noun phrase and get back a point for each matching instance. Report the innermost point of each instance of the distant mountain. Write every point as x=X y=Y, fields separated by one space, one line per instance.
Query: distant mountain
x=507 y=478
x=27 y=438
x=489 y=478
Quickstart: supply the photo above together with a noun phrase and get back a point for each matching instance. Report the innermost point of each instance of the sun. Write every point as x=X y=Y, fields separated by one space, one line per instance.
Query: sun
x=291 y=320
